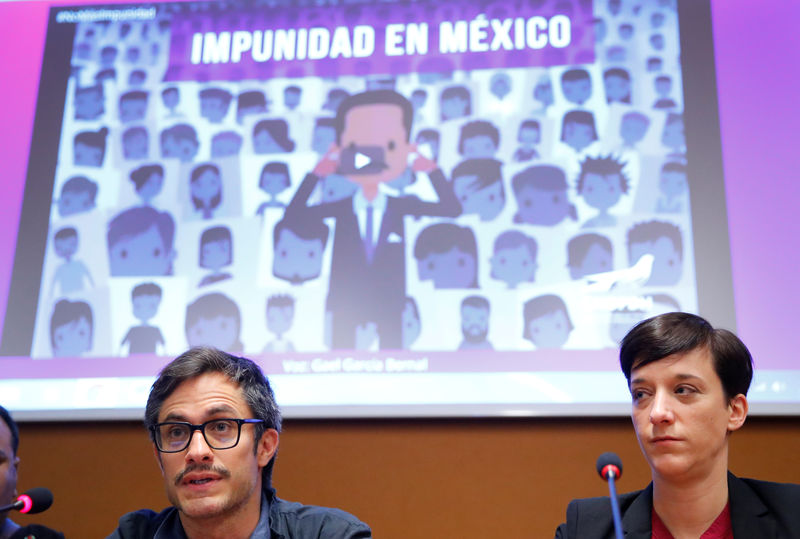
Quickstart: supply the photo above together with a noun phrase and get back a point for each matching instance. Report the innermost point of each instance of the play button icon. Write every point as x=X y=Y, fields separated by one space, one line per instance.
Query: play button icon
x=361 y=160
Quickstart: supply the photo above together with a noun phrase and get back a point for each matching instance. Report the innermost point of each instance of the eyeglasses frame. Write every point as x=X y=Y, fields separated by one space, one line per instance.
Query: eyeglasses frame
x=202 y=428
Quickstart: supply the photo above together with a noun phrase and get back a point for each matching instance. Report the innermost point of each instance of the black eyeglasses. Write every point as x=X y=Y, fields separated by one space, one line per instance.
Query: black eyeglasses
x=175 y=436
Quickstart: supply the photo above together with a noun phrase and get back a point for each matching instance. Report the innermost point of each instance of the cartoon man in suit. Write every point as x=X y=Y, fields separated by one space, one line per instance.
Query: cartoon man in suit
x=367 y=292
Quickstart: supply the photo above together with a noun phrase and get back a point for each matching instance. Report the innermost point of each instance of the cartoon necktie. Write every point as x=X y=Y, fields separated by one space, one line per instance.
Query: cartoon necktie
x=369 y=245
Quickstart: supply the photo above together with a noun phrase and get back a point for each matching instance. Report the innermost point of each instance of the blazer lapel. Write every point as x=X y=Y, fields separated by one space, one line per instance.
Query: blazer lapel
x=636 y=522
x=749 y=516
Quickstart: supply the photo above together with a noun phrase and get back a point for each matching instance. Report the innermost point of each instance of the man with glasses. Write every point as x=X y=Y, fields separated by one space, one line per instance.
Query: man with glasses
x=214 y=424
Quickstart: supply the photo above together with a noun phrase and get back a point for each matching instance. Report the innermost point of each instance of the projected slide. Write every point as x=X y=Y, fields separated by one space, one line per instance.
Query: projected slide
x=382 y=190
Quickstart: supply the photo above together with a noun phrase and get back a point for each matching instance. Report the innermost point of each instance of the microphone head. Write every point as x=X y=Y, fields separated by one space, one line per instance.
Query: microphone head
x=36 y=500
x=608 y=462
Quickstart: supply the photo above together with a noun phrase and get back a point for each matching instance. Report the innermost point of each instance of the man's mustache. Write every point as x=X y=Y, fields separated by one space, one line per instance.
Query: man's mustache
x=222 y=472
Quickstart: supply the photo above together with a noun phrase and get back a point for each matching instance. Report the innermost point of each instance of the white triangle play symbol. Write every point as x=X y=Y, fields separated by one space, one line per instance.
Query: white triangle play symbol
x=361 y=160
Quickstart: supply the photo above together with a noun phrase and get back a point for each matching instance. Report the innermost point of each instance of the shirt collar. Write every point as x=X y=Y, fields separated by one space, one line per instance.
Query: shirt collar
x=262 y=528
x=360 y=203
x=171 y=528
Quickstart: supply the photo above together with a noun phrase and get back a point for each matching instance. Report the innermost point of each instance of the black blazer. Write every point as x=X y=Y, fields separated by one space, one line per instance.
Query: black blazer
x=759 y=510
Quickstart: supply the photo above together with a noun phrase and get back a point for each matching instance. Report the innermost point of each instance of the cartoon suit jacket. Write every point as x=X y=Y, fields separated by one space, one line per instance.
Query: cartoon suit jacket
x=360 y=290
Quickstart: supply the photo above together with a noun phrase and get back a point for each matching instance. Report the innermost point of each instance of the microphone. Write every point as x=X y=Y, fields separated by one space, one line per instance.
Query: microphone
x=609 y=466
x=32 y=501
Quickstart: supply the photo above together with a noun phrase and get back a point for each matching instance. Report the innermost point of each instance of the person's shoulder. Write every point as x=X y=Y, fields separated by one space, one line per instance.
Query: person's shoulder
x=758 y=506
x=602 y=503
x=769 y=491
x=142 y=523
x=591 y=517
x=36 y=530
x=311 y=521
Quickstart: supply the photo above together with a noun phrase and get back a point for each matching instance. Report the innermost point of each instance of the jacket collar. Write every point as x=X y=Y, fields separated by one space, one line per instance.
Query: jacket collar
x=749 y=515
x=636 y=523
x=269 y=493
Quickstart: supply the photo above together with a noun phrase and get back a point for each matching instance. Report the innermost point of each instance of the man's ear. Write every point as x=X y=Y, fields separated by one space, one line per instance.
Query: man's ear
x=738 y=412
x=267 y=446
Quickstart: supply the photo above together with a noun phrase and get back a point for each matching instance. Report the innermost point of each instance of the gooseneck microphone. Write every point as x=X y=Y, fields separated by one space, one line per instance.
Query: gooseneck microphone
x=32 y=501
x=609 y=466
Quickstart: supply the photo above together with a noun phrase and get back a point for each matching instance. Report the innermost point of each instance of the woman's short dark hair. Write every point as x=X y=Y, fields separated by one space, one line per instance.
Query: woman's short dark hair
x=241 y=371
x=677 y=333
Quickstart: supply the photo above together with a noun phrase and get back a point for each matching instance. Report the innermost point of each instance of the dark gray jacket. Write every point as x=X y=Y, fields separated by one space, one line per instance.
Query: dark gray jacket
x=287 y=520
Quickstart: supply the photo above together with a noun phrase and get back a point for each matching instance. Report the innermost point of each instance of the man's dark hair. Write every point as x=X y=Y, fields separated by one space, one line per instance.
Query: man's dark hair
x=79 y=184
x=603 y=166
x=583 y=117
x=511 y=239
x=572 y=75
x=134 y=95
x=241 y=371
x=579 y=246
x=487 y=172
x=650 y=231
x=278 y=130
x=478 y=128
x=457 y=92
x=441 y=237
x=530 y=124
x=141 y=175
x=374 y=97
x=66 y=232
x=95 y=139
x=146 y=289
x=216 y=93
x=541 y=177
x=178 y=132
x=275 y=167
x=540 y=306
x=428 y=134
x=479 y=302
x=305 y=229
x=678 y=333
x=617 y=72
x=135 y=221
x=251 y=98
x=325 y=122
x=12 y=426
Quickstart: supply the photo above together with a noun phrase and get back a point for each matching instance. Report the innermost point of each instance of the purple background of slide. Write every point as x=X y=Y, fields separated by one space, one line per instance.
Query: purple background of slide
x=757 y=65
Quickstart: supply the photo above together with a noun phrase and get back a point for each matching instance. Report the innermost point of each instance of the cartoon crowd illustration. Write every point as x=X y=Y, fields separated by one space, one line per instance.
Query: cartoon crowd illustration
x=488 y=209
